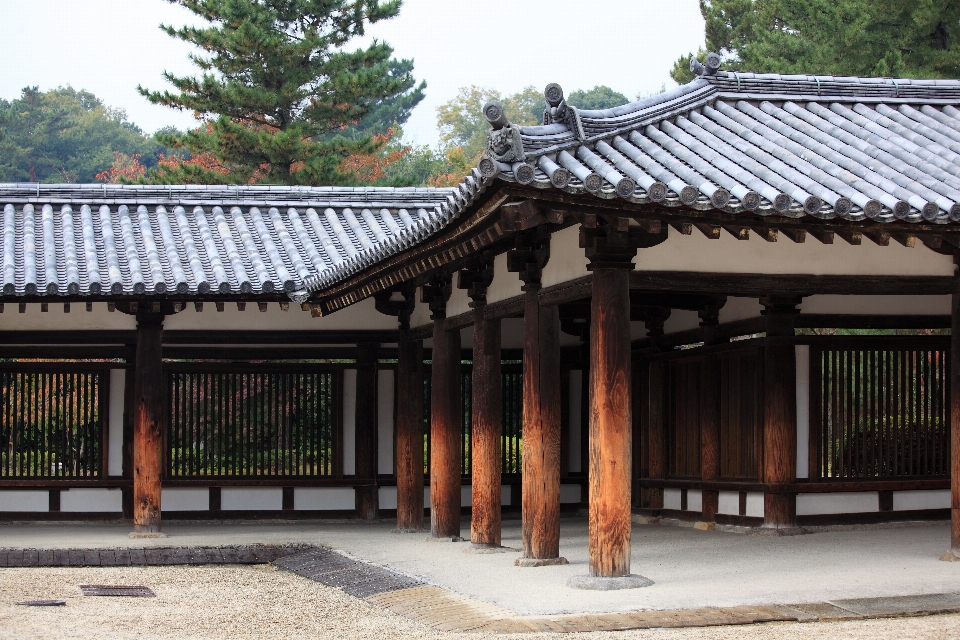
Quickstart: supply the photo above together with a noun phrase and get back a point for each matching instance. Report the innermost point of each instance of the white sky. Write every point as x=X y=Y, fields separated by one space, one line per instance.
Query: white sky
x=109 y=46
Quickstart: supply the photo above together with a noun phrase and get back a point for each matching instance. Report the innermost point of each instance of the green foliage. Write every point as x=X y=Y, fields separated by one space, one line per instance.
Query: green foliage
x=905 y=38
x=461 y=120
x=600 y=97
x=65 y=135
x=279 y=92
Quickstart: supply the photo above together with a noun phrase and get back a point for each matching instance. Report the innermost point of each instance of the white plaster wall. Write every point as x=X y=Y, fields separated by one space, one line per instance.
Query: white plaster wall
x=91 y=500
x=574 y=393
x=466 y=495
x=387 y=497
x=567 y=260
x=459 y=301
x=811 y=504
x=251 y=498
x=570 y=493
x=740 y=309
x=349 y=422
x=56 y=320
x=729 y=255
x=186 y=499
x=328 y=499
x=694 y=500
x=729 y=503
x=362 y=315
x=803 y=410
x=679 y=320
x=118 y=381
x=505 y=494
x=877 y=305
x=755 y=505
x=32 y=501
x=914 y=500
x=505 y=284
x=385 y=390
x=421 y=312
x=671 y=499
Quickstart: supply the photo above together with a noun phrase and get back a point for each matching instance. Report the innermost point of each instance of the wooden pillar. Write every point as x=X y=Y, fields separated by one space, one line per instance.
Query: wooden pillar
x=610 y=422
x=657 y=460
x=367 y=500
x=409 y=435
x=541 y=428
x=955 y=429
x=445 y=418
x=148 y=425
x=780 y=411
x=710 y=417
x=487 y=409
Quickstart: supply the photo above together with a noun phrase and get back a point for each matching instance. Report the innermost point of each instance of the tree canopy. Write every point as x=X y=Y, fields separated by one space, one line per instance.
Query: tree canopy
x=65 y=135
x=461 y=120
x=283 y=100
x=600 y=97
x=905 y=38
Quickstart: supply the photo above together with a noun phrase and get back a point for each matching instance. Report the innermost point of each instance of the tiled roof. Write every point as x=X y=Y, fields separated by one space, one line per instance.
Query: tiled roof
x=852 y=148
x=81 y=240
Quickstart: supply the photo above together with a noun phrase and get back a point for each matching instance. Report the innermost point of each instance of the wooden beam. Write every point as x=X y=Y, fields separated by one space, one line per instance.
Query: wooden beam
x=797 y=235
x=955 y=428
x=853 y=237
x=767 y=233
x=879 y=237
x=683 y=227
x=409 y=436
x=541 y=428
x=148 y=425
x=485 y=530
x=711 y=231
x=737 y=231
x=756 y=285
x=906 y=239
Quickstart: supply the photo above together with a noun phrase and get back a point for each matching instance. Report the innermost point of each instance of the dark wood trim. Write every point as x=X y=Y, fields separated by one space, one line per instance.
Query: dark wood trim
x=316 y=337
x=569 y=291
x=47 y=483
x=64 y=352
x=103 y=413
x=850 y=321
x=270 y=353
x=67 y=337
x=47 y=516
x=911 y=484
x=872 y=517
x=738 y=520
x=460 y=321
x=509 y=308
x=756 y=285
x=685 y=516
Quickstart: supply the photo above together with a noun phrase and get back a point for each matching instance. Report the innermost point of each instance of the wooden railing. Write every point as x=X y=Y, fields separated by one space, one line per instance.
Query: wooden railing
x=53 y=421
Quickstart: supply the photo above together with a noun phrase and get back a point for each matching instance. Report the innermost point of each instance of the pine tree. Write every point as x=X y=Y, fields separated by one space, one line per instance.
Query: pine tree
x=905 y=38
x=278 y=90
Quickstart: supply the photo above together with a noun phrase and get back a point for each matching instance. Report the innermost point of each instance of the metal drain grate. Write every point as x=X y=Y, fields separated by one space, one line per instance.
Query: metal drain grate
x=358 y=579
x=43 y=603
x=116 y=590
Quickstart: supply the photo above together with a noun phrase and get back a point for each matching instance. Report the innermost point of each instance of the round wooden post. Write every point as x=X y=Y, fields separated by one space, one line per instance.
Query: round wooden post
x=610 y=422
x=148 y=425
x=780 y=412
x=541 y=429
x=409 y=435
x=710 y=418
x=657 y=433
x=367 y=501
x=955 y=429
x=445 y=435
x=487 y=427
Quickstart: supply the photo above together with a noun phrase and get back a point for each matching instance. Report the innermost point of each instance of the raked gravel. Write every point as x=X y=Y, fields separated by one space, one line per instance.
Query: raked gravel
x=265 y=602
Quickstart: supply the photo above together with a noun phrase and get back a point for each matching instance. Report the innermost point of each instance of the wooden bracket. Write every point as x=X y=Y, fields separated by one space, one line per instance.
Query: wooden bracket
x=767 y=233
x=198 y=307
x=520 y=216
x=476 y=276
x=823 y=235
x=906 y=239
x=852 y=237
x=530 y=256
x=738 y=232
x=712 y=231
x=651 y=226
x=797 y=235
x=683 y=227
x=880 y=238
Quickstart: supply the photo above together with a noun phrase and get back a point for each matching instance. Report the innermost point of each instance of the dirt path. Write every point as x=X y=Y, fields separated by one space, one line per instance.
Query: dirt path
x=263 y=602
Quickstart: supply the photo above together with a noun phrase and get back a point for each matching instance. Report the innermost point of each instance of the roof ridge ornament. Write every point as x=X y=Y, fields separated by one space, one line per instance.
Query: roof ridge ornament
x=503 y=141
x=708 y=67
x=559 y=112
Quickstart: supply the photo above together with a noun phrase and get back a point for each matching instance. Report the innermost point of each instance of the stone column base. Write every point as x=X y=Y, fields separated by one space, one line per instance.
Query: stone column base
x=539 y=562
x=597 y=583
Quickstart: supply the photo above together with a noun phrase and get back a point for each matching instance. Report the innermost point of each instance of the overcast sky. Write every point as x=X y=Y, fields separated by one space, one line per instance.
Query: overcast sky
x=110 y=46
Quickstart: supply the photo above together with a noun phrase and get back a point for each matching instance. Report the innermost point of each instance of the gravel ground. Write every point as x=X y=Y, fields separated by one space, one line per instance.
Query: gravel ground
x=265 y=602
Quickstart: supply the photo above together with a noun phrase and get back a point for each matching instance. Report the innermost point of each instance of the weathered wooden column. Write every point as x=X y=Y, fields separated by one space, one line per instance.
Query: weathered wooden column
x=780 y=411
x=541 y=407
x=445 y=417
x=657 y=442
x=709 y=418
x=365 y=453
x=610 y=250
x=409 y=433
x=148 y=426
x=487 y=410
x=953 y=554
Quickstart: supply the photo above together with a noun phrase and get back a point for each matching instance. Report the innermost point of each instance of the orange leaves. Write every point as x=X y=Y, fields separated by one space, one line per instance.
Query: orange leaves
x=206 y=161
x=371 y=167
x=125 y=168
